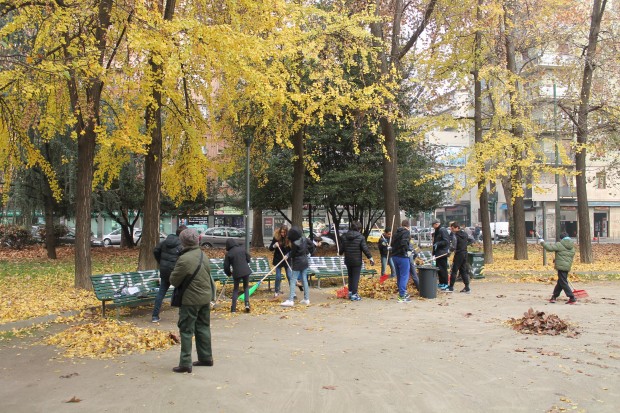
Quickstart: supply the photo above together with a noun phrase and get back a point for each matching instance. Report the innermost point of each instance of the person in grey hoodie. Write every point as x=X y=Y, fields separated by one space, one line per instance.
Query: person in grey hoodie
x=237 y=264
x=353 y=245
x=564 y=253
x=166 y=253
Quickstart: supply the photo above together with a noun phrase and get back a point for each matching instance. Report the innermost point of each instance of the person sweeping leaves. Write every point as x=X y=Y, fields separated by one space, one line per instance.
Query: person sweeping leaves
x=564 y=253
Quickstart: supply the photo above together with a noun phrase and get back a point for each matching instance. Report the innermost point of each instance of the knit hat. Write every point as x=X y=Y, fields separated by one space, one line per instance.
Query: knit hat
x=189 y=237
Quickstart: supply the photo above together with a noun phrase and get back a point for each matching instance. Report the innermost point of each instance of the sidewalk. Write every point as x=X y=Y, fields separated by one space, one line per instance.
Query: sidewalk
x=453 y=353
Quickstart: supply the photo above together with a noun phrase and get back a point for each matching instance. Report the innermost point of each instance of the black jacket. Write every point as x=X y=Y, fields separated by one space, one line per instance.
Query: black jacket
x=277 y=255
x=441 y=241
x=401 y=242
x=166 y=253
x=301 y=247
x=384 y=243
x=462 y=240
x=236 y=260
x=353 y=244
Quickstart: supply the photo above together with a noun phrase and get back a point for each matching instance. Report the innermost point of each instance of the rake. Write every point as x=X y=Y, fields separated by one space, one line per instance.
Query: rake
x=385 y=276
x=578 y=293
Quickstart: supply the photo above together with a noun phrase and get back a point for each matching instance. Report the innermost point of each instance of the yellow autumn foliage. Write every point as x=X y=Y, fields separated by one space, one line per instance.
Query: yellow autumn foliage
x=106 y=339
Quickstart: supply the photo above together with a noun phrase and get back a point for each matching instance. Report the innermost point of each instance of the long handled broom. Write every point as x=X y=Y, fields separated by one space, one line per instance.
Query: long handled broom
x=289 y=267
x=385 y=276
x=255 y=286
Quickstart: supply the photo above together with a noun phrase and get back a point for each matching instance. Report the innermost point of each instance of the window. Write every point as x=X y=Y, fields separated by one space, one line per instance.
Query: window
x=601 y=180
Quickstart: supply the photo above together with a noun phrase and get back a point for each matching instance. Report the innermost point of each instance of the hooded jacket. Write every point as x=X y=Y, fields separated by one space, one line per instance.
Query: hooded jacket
x=564 y=253
x=301 y=247
x=401 y=242
x=236 y=261
x=201 y=291
x=353 y=244
x=461 y=242
x=441 y=241
x=166 y=253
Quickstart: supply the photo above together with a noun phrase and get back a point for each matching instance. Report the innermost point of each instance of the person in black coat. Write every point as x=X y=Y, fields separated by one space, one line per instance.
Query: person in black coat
x=459 y=263
x=166 y=253
x=237 y=264
x=441 y=250
x=401 y=253
x=301 y=247
x=353 y=245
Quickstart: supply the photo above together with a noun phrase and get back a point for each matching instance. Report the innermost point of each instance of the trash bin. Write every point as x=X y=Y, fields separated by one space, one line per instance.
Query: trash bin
x=476 y=263
x=428 y=281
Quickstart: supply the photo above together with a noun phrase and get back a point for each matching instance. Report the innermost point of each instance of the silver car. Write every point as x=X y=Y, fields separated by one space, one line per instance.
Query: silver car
x=216 y=237
x=114 y=237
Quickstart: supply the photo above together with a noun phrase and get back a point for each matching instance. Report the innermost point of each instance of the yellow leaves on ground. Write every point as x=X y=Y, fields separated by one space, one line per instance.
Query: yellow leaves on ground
x=27 y=297
x=106 y=339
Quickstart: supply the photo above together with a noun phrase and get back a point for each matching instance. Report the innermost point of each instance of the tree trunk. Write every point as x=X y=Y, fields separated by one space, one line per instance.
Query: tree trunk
x=518 y=211
x=257 y=231
x=153 y=163
x=390 y=174
x=487 y=241
x=583 y=210
x=87 y=122
x=299 y=172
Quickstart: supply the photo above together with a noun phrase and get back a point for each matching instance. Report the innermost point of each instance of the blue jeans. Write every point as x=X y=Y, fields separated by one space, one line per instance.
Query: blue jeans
x=402 y=265
x=279 y=277
x=384 y=264
x=304 y=278
x=164 y=285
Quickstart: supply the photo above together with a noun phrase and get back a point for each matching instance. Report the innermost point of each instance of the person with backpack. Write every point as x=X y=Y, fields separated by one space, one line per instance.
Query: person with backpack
x=301 y=248
x=353 y=245
x=237 y=265
x=459 y=263
x=166 y=253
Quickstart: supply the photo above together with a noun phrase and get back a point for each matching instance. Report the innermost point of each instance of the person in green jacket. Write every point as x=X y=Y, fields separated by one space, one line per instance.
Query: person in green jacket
x=564 y=253
x=195 y=310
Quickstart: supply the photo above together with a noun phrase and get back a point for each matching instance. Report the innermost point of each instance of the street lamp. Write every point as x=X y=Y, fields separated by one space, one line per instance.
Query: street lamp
x=248 y=143
x=557 y=175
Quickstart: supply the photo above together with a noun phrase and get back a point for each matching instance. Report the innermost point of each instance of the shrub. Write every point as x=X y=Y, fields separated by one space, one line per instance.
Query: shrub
x=14 y=236
x=59 y=231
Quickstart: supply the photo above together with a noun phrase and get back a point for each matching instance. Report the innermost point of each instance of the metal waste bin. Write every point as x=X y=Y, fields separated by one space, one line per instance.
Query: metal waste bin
x=428 y=281
x=476 y=263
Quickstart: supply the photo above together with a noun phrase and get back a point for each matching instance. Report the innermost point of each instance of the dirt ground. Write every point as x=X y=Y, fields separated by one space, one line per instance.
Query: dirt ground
x=452 y=353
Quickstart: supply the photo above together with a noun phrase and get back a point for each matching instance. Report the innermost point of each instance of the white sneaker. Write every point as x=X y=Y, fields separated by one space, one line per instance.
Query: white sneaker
x=288 y=303
x=306 y=302
x=276 y=294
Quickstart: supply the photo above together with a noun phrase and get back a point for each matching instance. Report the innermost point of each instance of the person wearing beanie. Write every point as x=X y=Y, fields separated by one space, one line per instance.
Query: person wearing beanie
x=353 y=245
x=564 y=254
x=166 y=253
x=237 y=264
x=301 y=247
x=195 y=310
x=441 y=250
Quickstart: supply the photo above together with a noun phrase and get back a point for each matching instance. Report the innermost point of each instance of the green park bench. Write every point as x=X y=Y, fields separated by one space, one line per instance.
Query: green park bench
x=143 y=286
x=260 y=267
x=331 y=267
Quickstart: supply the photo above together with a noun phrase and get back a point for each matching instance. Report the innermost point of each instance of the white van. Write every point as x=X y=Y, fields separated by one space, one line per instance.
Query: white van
x=499 y=230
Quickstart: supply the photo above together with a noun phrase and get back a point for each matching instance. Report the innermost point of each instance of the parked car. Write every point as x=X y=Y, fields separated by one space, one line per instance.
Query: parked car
x=216 y=237
x=114 y=237
x=374 y=236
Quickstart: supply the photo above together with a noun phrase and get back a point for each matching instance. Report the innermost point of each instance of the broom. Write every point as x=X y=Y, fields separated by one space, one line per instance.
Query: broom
x=255 y=286
x=385 y=276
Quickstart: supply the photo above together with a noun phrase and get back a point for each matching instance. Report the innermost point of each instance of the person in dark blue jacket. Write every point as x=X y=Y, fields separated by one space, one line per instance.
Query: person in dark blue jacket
x=166 y=253
x=353 y=245
x=237 y=264
x=401 y=253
